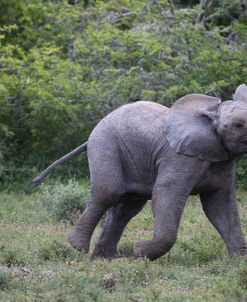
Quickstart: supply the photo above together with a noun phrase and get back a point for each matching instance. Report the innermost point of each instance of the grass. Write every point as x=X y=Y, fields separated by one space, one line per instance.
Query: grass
x=36 y=264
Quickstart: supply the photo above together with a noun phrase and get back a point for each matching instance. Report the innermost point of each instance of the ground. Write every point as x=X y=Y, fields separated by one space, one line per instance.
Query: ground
x=36 y=264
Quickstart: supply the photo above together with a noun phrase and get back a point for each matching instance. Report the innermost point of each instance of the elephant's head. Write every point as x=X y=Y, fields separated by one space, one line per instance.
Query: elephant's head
x=203 y=127
x=232 y=124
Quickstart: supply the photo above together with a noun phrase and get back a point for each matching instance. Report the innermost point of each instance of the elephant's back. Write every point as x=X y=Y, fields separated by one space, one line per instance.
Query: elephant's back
x=137 y=115
x=143 y=110
x=142 y=118
x=140 y=109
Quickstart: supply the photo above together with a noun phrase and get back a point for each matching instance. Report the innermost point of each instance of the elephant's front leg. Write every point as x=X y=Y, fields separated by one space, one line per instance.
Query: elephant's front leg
x=221 y=209
x=168 y=204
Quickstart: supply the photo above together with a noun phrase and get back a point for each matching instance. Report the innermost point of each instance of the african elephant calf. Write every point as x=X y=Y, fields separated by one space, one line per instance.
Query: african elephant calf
x=145 y=150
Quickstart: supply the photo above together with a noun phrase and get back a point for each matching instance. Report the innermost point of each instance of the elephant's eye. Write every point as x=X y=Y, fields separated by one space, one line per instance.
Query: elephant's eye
x=238 y=125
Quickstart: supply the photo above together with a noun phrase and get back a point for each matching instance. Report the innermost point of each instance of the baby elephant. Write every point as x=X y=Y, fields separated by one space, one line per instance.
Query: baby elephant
x=145 y=151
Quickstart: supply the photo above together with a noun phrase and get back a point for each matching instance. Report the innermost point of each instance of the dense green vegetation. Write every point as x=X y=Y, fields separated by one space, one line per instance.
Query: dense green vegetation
x=36 y=264
x=65 y=64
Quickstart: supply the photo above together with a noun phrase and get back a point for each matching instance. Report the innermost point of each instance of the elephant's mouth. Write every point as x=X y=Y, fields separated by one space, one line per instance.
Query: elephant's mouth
x=240 y=147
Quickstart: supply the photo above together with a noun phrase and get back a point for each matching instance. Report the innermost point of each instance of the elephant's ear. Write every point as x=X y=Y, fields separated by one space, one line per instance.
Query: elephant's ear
x=190 y=128
x=240 y=93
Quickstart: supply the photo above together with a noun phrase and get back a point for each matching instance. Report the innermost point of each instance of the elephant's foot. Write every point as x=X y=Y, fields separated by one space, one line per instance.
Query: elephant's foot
x=143 y=249
x=242 y=251
x=101 y=252
x=77 y=240
x=152 y=249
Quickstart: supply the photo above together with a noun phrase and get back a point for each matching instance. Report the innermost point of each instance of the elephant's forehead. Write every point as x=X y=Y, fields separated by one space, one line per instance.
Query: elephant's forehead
x=232 y=110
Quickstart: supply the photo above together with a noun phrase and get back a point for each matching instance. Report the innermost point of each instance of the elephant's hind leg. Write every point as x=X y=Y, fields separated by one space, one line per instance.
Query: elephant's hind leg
x=116 y=220
x=79 y=237
x=107 y=187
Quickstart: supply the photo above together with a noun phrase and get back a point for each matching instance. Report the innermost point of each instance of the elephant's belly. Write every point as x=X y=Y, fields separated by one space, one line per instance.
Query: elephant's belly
x=219 y=175
x=207 y=184
x=138 y=188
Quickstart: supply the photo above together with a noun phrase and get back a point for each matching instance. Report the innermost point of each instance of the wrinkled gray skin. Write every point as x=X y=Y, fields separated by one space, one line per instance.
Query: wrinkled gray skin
x=145 y=150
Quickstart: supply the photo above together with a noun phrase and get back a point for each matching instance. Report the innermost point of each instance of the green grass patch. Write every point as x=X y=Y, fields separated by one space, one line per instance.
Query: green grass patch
x=36 y=263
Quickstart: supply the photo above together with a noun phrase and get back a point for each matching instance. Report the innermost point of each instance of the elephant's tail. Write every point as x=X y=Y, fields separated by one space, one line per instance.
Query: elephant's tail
x=39 y=179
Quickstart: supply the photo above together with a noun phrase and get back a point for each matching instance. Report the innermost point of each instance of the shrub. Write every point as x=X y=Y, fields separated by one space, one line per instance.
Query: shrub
x=58 y=79
x=53 y=249
x=243 y=275
x=242 y=173
x=5 y=279
x=11 y=257
x=65 y=201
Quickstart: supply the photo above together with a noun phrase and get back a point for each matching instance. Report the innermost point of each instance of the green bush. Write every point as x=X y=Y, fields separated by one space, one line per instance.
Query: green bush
x=66 y=66
x=242 y=173
x=5 y=280
x=11 y=256
x=65 y=201
x=243 y=275
x=55 y=250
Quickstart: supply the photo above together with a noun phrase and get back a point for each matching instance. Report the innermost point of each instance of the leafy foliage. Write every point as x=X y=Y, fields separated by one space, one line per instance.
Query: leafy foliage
x=55 y=250
x=65 y=202
x=65 y=64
